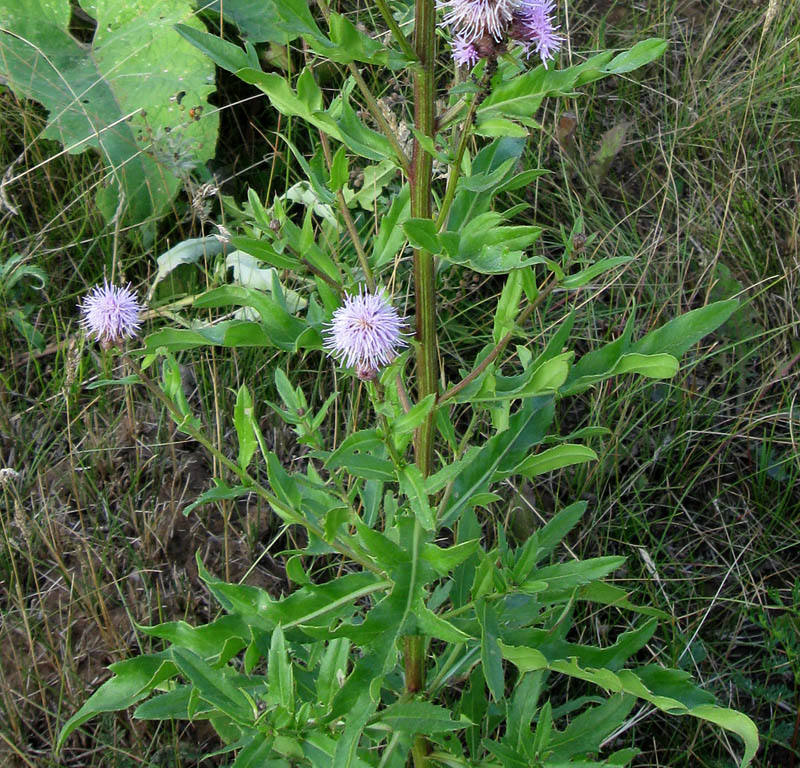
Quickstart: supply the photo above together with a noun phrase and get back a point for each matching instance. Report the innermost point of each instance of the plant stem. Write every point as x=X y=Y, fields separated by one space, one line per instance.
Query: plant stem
x=499 y=347
x=455 y=168
x=401 y=39
x=286 y=513
x=425 y=292
x=348 y=219
x=372 y=105
x=420 y=184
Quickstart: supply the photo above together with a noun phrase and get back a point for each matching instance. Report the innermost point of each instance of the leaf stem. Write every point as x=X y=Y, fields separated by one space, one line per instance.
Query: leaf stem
x=348 y=219
x=394 y=27
x=372 y=104
x=499 y=347
x=287 y=512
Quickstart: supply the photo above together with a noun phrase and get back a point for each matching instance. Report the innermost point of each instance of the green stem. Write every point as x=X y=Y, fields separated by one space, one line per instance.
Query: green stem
x=401 y=39
x=372 y=105
x=348 y=219
x=286 y=512
x=425 y=291
x=499 y=347
x=420 y=183
x=455 y=168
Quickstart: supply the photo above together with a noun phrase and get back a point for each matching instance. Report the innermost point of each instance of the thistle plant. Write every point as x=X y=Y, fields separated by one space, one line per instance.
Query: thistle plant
x=417 y=629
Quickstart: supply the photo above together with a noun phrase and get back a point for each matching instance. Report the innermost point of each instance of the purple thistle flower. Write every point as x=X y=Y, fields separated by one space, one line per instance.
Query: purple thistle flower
x=464 y=52
x=365 y=333
x=475 y=18
x=110 y=313
x=533 y=28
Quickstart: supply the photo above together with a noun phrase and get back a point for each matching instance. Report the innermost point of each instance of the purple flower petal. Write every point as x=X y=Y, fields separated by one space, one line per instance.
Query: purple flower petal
x=110 y=313
x=365 y=333
x=475 y=18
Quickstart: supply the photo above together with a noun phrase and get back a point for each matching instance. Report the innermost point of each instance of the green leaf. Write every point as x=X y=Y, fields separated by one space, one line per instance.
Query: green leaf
x=225 y=55
x=333 y=664
x=133 y=679
x=302 y=103
x=281 y=328
x=500 y=454
x=340 y=171
x=468 y=204
x=361 y=139
x=263 y=250
x=258 y=20
x=172 y=705
x=256 y=753
x=233 y=333
x=420 y=717
x=507 y=305
x=423 y=234
x=670 y=690
x=117 y=93
x=658 y=366
x=221 y=492
x=586 y=731
x=431 y=624
x=362 y=454
x=408 y=422
x=682 y=333
x=246 y=426
x=186 y=252
x=213 y=685
x=279 y=672
x=562 y=578
x=554 y=458
x=391 y=233
x=642 y=53
x=412 y=485
x=491 y=656
x=217 y=642
x=588 y=274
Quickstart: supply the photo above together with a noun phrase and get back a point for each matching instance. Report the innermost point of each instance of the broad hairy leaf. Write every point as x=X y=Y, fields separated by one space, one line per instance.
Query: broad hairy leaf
x=137 y=93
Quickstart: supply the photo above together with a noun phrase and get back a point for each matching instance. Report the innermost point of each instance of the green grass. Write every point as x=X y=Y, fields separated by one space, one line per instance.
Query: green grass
x=697 y=482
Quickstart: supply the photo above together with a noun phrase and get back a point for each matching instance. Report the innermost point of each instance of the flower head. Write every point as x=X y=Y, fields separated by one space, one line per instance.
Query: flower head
x=365 y=333
x=533 y=28
x=475 y=18
x=110 y=313
x=464 y=53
